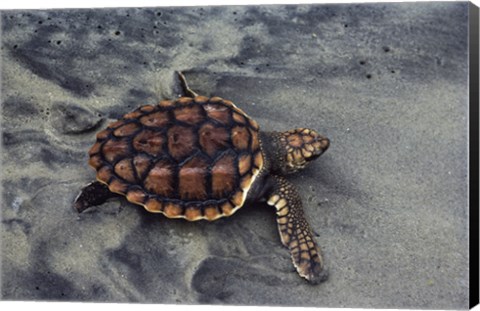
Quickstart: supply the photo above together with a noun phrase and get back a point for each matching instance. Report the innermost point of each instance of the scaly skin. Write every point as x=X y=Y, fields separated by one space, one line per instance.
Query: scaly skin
x=295 y=232
x=284 y=154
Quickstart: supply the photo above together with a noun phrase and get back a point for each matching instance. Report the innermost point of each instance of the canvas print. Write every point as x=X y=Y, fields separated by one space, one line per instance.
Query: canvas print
x=284 y=155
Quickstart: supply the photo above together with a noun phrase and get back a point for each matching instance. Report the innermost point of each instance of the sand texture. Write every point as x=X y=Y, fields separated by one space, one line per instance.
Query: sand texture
x=387 y=83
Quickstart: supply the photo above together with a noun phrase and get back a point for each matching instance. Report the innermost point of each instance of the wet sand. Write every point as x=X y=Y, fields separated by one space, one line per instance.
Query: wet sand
x=387 y=83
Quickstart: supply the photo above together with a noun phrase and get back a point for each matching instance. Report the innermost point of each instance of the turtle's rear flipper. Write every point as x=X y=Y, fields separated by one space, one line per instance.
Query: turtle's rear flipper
x=95 y=193
x=295 y=232
x=187 y=91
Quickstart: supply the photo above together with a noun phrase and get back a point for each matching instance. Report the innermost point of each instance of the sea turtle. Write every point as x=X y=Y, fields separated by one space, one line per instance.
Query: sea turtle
x=204 y=158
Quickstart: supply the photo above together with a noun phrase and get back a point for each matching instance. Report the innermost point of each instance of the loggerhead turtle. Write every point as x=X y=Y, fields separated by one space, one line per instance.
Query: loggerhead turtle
x=204 y=158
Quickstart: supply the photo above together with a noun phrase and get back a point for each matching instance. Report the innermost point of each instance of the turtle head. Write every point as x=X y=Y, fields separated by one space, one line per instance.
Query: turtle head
x=301 y=147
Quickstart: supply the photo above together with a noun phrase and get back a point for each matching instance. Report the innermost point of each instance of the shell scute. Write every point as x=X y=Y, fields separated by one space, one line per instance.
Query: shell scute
x=124 y=169
x=95 y=161
x=156 y=119
x=218 y=112
x=103 y=134
x=172 y=210
x=190 y=114
x=147 y=108
x=133 y=115
x=154 y=206
x=160 y=179
x=184 y=100
x=201 y=99
x=149 y=141
x=141 y=163
x=239 y=118
x=253 y=124
x=227 y=208
x=126 y=129
x=240 y=137
x=211 y=212
x=104 y=173
x=255 y=143
x=181 y=141
x=193 y=213
x=115 y=124
x=114 y=149
x=95 y=149
x=213 y=139
x=166 y=103
x=246 y=181
x=223 y=176
x=244 y=163
x=192 y=179
x=117 y=186
x=238 y=198
x=136 y=196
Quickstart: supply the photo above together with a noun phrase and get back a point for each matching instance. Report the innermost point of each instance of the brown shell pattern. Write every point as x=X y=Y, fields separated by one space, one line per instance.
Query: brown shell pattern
x=192 y=158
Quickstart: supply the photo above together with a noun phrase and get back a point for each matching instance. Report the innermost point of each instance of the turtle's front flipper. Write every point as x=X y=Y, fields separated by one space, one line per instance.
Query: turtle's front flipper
x=295 y=232
x=93 y=194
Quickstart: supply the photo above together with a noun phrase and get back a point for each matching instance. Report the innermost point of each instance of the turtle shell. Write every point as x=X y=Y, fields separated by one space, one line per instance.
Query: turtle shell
x=192 y=158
